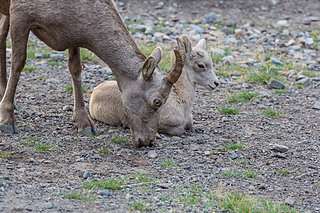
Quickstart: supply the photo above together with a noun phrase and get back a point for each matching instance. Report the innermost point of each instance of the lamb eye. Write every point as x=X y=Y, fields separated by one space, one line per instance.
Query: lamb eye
x=201 y=66
x=157 y=102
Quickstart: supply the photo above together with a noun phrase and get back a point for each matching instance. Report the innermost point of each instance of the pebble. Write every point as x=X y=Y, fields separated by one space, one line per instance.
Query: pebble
x=211 y=17
x=207 y=153
x=86 y=174
x=275 y=84
x=57 y=57
x=96 y=156
x=67 y=108
x=316 y=105
x=276 y=61
x=228 y=60
x=289 y=201
x=217 y=51
x=234 y=156
x=280 y=148
x=105 y=192
x=281 y=23
x=152 y=154
x=49 y=205
x=305 y=81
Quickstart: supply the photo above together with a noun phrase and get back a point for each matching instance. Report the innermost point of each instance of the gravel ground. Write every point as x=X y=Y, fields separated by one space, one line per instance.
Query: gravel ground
x=269 y=157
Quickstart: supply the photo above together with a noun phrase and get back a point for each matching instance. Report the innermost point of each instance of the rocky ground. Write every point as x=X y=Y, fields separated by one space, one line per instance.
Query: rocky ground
x=237 y=154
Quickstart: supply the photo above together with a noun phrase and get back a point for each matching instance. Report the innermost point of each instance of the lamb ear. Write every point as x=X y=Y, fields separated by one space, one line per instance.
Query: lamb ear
x=157 y=54
x=148 y=67
x=202 y=44
x=187 y=43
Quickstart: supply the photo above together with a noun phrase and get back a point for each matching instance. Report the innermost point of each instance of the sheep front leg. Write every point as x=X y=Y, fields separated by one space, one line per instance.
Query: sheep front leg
x=19 y=38
x=4 y=28
x=80 y=115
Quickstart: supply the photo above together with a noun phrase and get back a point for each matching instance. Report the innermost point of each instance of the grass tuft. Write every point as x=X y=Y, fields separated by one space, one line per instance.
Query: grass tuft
x=242 y=97
x=79 y=196
x=271 y=113
x=45 y=147
x=230 y=111
x=282 y=172
x=118 y=140
x=6 y=155
x=168 y=163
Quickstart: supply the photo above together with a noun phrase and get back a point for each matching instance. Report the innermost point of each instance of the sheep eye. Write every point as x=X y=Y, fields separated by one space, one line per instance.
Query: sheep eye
x=157 y=102
x=201 y=66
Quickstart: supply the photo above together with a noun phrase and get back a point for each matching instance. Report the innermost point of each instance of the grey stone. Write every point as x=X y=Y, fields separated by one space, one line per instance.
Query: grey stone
x=152 y=154
x=57 y=57
x=67 y=108
x=289 y=201
x=38 y=55
x=296 y=48
x=228 y=60
x=234 y=156
x=194 y=147
x=275 y=84
x=197 y=28
x=316 y=105
x=305 y=81
x=211 y=17
x=9 y=128
x=86 y=174
x=217 y=51
x=280 y=148
x=309 y=41
x=105 y=192
x=96 y=156
x=149 y=31
x=276 y=61
x=227 y=31
x=231 y=23
x=281 y=23
x=229 y=41
x=49 y=205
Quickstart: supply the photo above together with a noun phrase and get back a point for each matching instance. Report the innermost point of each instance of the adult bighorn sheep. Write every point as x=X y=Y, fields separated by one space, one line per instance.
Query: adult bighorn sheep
x=106 y=106
x=97 y=26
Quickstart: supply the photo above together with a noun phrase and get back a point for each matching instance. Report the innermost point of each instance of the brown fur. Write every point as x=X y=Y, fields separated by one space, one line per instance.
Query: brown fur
x=97 y=26
x=106 y=106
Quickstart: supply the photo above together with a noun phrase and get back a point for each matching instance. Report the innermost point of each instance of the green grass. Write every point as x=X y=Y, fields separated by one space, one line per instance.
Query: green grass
x=301 y=86
x=310 y=74
x=271 y=113
x=86 y=55
x=29 y=68
x=112 y=78
x=282 y=172
x=317 y=185
x=216 y=58
x=168 y=163
x=262 y=75
x=118 y=140
x=69 y=89
x=280 y=91
x=6 y=155
x=242 y=97
x=168 y=58
x=110 y=183
x=104 y=150
x=230 y=111
x=143 y=178
x=139 y=206
x=55 y=63
x=28 y=141
x=235 y=146
x=45 y=147
x=250 y=174
x=31 y=53
x=79 y=196
x=242 y=203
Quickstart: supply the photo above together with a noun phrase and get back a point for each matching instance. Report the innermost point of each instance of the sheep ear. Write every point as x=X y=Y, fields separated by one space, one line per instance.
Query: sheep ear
x=187 y=43
x=157 y=54
x=202 y=44
x=148 y=67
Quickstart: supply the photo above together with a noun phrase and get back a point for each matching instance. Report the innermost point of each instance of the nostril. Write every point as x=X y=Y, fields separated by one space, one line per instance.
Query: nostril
x=216 y=83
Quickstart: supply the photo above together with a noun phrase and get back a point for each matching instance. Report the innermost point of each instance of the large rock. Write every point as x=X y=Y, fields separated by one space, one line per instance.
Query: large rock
x=211 y=17
x=275 y=84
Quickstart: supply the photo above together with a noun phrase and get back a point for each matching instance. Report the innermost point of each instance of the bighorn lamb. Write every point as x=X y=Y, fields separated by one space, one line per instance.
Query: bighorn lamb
x=106 y=106
x=97 y=26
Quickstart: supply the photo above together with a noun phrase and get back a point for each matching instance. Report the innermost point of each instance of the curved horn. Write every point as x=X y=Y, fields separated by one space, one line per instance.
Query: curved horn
x=176 y=70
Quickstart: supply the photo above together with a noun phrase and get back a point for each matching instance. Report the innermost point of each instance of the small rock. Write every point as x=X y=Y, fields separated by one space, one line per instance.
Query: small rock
x=276 y=61
x=164 y=186
x=49 y=205
x=234 y=156
x=309 y=41
x=57 y=57
x=197 y=28
x=217 y=51
x=281 y=23
x=86 y=174
x=305 y=81
x=279 y=155
x=211 y=17
x=229 y=41
x=67 y=108
x=38 y=55
x=228 y=60
x=96 y=156
x=152 y=154
x=280 y=148
x=105 y=192
x=290 y=43
x=275 y=84
x=227 y=31
x=194 y=147
x=207 y=153
x=316 y=105
x=289 y=201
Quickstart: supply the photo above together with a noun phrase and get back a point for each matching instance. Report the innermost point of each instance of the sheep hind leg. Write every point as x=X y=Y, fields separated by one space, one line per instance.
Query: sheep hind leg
x=4 y=29
x=80 y=115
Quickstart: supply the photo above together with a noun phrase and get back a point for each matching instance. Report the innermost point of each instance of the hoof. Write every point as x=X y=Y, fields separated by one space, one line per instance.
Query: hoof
x=9 y=128
x=88 y=132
